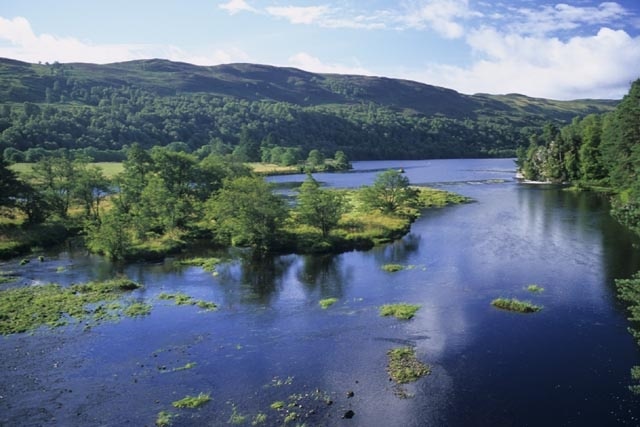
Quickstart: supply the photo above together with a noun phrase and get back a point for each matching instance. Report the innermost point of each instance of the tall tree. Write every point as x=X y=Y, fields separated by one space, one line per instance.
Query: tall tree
x=318 y=207
x=390 y=192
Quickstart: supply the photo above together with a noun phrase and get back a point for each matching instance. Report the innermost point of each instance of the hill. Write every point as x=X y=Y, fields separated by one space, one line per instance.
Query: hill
x=158 y=102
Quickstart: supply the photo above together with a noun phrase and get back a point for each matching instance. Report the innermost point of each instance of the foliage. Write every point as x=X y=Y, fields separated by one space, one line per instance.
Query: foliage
x=192 y=401
x=184 y=299
x=514 y=304
x=629 y=291
x=27 y=308
x=390 y=193
x=404 y=367
x=164 y=419
x=207 y=264
x=79 y=107
x=137 y=309
x=247 y=212
x=535 y=288
x=401 y=311
x=327 y=302
x=318 y=207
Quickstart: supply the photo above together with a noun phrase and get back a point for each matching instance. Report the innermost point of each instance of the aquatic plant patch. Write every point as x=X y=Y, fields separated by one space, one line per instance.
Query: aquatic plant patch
x=192 y=401
x=393 y=268
x=28 y=308
x=327 y=302
x=401 y=311
x=184 y=299
x=535 y=288
x=513 y=304
x=404 y=367
x=207 y=264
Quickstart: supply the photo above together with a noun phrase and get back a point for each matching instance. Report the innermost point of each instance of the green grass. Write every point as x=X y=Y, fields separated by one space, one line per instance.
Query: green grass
x=404 y=367
x=28 y=308
x=401 y=311
x=327 y=302
x=259 y=418
x=109 y=169
x=279 y=404
x=535 y=288
x=392 y=268
x=516 y=305
x=192 y=401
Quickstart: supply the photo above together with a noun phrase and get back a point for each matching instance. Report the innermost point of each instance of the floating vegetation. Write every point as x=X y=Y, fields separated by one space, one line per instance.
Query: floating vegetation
x=189 y=365
x=392 y=268
x=164 y=419
x=184 y=299
x=401 y=311
x=192 y=401
x=207 y=264
x=278 y=404
x=28 y=308
x=535 y=288
x=279 y=382
x=24 y=261
x=404 y=367
x=327 y=302
x=258 y=419
x=137 y=309
x=516 y=305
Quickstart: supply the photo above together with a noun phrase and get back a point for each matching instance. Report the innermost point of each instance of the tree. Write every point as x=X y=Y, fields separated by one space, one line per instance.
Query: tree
x=389 y=193
x=319 y=208
x=110 y=236
x=315 y=158
x=8 y=184
x=247 y=212
x=341 y=161
x=90 y=188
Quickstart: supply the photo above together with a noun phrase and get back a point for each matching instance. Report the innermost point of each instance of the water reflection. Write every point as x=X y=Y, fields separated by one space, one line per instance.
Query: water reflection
x=324 y=274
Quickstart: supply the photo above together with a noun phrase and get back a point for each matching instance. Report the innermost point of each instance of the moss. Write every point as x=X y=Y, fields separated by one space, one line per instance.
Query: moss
x=535 y=288
x=192 y=401
x=404 y=367
x=164 y=419
x=401 y=311
x=392 y=268
x=515 y=305
x=28 y=308
x=327 y=302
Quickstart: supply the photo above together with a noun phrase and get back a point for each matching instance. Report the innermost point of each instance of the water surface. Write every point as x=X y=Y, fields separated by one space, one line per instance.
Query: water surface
x=566 y=365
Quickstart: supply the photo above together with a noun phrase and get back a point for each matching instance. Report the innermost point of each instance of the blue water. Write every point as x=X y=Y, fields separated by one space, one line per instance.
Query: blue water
x=566 y=365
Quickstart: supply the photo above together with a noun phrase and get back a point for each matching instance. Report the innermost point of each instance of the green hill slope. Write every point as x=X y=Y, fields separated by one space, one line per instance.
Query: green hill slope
x=77 y=106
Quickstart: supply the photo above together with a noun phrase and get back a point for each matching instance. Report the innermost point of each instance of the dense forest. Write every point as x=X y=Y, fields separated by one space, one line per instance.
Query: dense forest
x=594 y=151
x=256 y=112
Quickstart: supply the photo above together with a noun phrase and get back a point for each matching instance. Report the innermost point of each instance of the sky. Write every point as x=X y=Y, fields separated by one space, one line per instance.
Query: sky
x=560 y=50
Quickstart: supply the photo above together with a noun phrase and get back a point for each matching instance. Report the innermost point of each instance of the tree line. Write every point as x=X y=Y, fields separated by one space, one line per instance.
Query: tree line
x=163 y=199
x=598 y=150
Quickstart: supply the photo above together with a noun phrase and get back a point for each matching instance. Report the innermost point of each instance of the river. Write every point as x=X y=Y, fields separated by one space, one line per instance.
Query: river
x=269 y=340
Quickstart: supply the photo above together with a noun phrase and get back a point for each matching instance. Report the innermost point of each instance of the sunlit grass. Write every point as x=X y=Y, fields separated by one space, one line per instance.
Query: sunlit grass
x=514 y=304
x=400 y=311
x=192 y=401
x=327 y=302
x=404 y=367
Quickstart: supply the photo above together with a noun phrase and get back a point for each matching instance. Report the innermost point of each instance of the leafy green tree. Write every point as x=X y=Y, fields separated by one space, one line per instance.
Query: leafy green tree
x=90 y=188
x=315 y=158
x=54 y=178
x=341 y=161
x=9 y=183
x=109 y=236
x=247 y=212
x=390 y=192
x=318 y=207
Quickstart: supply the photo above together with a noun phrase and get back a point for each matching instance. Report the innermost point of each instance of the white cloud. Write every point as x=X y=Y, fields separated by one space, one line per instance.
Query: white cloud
x=299 y=15
x=18 y=41
x=441 y=16
x=548 y=19
x=598 y=66
x=311 y=63
x=236 y=6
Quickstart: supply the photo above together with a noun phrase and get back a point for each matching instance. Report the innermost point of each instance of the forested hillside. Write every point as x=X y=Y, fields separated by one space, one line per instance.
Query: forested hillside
x=256 y=112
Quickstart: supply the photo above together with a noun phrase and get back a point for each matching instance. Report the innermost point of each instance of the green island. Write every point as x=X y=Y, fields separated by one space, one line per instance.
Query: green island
x=513 y=304
x=404 y=367
x=402 y=311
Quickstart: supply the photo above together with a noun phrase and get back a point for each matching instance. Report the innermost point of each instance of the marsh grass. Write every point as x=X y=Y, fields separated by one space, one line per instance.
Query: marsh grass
x=137 y=309
x=516 y=305
x=535 y=288
x=164 y=419
x=401 y=311
x=404 y=367
x=28 y=308
x=327 y=302
x=207 y=264
x=392 y=268
x=184 y=299
x=192 y=401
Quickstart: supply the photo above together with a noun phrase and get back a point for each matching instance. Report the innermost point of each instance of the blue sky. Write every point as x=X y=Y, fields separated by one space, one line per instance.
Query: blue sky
x=561 y=50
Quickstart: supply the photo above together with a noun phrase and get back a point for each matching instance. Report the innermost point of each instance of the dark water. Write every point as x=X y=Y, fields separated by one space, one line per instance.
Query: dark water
x=566 y=365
